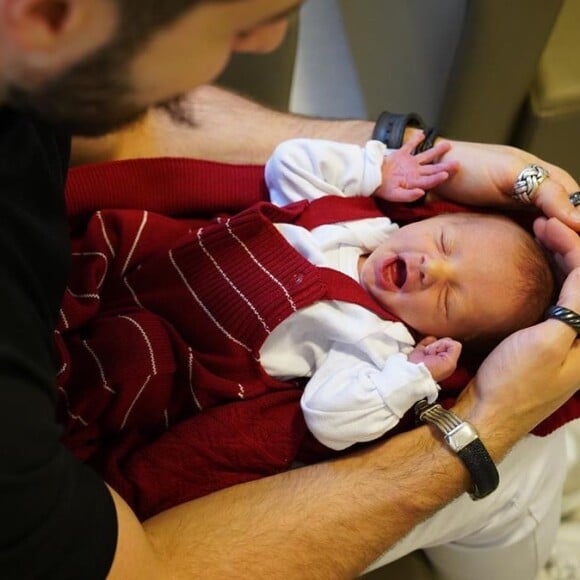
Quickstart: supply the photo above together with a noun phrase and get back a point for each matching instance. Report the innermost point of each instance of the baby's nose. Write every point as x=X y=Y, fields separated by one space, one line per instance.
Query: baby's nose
x=433 y=270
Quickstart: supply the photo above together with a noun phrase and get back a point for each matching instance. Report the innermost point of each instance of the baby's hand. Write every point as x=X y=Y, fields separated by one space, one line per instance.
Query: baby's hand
x=406 y=177
x=440 y=356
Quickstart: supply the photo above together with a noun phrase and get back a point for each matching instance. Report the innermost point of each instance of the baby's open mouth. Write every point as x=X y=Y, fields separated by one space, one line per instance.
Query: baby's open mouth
x=400 y=273
x=395 y=274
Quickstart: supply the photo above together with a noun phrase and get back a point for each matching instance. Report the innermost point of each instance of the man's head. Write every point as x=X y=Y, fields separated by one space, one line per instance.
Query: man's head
x=467 y=276
x=94 y=65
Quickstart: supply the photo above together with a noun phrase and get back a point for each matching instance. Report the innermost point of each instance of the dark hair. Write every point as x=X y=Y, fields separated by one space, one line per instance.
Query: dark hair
x=536 y=285
x=94 y=96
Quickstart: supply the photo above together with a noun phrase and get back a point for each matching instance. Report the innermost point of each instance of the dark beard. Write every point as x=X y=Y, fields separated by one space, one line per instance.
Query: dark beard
x=90 y=112
x=96 y=97
x=93 y=98
x=93 y=112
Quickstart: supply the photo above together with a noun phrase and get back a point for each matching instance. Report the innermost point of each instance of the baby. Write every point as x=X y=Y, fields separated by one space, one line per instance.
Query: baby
x=466 y=277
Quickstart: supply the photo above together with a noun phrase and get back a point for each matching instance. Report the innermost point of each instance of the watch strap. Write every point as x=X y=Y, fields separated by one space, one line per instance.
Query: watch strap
x=461 y=437
x=478 y=461
x=430 y=135
x=390 y=127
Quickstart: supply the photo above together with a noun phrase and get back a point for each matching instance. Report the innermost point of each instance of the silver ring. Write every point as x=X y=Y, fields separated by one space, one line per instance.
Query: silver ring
x=574 y=198
x=528 y=181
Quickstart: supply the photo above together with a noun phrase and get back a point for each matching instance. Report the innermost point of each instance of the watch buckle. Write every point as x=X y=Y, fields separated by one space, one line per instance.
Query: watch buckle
x=461 y=436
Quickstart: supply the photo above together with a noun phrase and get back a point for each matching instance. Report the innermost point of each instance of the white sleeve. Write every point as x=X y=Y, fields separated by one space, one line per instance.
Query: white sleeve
x=312 y=168
x=349 y=401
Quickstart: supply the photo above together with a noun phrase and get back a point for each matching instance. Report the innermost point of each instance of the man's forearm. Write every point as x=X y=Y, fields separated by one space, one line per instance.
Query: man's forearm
x=241 y=131
x=329 y=520
x=215 y=124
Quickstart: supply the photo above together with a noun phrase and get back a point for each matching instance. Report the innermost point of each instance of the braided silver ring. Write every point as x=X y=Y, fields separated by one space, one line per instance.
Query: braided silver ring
x=528 y=181
x=574 y=198
x=565 y=315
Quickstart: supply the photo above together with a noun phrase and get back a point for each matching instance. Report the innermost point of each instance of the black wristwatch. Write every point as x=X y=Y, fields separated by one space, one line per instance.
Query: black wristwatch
x=390 y=127
x=464 y=440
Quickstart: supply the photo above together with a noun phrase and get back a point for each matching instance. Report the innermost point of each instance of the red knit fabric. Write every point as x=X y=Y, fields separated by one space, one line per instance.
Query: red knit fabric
x=168 y=186
x=160 y=387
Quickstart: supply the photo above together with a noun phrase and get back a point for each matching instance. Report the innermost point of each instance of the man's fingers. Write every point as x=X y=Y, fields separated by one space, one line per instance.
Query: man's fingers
x=563 y=338
x=559 y=175
x=571 y=368
x=553 y=200
x=570 y=293
x=560 y=239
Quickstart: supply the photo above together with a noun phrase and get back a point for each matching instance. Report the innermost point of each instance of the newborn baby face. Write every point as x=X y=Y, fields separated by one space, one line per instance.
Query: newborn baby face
x=450 y=275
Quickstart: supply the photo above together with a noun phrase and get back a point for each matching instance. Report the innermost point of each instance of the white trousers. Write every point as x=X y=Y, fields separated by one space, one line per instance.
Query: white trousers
x=505 y=536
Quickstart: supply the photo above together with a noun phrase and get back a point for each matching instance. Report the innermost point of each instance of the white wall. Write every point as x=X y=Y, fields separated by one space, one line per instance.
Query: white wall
x=358 y=57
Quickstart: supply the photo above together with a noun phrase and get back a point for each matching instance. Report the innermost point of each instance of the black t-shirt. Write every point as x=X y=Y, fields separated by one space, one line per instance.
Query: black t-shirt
x=57 y=519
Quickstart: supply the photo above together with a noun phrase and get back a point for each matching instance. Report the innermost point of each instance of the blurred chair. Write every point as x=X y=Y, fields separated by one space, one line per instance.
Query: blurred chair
x=550 y=120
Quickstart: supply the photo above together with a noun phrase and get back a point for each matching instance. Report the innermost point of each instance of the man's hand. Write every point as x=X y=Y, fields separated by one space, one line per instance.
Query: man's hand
x=440 y=356
x=563 y=242
x=536 y=370
x=407 y=177
x=487 y=173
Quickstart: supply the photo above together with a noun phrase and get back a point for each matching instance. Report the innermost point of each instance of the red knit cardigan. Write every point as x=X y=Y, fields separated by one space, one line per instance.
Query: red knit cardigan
x=159 y=417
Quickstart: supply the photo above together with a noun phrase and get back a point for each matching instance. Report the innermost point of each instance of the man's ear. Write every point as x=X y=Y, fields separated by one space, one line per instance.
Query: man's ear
x=54 y=33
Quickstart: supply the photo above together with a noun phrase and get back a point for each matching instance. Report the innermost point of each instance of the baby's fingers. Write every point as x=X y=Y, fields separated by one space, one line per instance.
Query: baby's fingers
x=413 y=142
x=447 y=166
x=402 y=194
x=444 y=345
x=434 y=153
x=426 y=341
x=427 y=182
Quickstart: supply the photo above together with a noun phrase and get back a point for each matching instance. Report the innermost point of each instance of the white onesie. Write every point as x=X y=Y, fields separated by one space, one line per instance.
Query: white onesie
x=361 y=382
